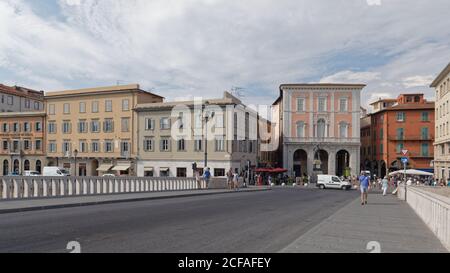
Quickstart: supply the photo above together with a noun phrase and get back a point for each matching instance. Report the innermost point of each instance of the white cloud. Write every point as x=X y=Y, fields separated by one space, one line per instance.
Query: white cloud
x=418 y=81
x=202 y=47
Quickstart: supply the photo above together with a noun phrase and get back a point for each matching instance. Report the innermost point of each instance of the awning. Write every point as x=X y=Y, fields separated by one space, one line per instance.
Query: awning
x=104 y=167
x=122 y=167
x=148 y=169
x=163 y=169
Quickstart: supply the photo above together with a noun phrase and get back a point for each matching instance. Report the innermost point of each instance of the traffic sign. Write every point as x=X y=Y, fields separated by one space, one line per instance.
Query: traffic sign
x=404 y=152
x=404 y=160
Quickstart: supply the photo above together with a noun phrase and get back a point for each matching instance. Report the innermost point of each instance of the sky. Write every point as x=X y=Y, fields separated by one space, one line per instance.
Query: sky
x=185 y=48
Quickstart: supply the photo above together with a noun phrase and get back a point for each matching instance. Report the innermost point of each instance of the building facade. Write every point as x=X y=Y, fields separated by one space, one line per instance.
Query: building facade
x=91 y=131
x=23 y=145
x=406 y=123
x=172 y=137
x=320 y=128
x=20 y=99
x=442 y=119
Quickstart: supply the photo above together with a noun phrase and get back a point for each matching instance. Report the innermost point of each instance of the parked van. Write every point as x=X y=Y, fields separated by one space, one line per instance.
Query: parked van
x=332 y=182
x=54 y=171
x=31 y=173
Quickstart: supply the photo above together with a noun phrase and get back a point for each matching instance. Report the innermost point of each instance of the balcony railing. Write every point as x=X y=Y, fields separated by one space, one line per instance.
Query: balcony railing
x=321 y=140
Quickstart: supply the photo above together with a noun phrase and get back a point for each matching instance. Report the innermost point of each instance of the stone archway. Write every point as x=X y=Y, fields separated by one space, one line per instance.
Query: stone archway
x=300 y=162
x=321 y=161
x=343 y=163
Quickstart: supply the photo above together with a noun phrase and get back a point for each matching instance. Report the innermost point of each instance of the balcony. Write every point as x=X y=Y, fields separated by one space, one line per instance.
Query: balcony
x=314 y=140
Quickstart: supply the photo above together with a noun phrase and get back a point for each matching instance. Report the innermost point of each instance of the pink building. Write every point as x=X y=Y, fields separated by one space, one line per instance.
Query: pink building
x=320 y=128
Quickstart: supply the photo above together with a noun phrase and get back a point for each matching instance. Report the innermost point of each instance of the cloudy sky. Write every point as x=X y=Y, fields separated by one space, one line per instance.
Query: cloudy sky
x=182 y=48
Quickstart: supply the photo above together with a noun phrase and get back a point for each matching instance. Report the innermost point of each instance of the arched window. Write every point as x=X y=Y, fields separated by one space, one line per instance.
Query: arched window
x=343 y=130
x=300 y=129
x=321 y=128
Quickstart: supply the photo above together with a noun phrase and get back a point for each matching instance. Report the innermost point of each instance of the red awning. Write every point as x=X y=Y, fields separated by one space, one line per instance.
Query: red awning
x=276 y=170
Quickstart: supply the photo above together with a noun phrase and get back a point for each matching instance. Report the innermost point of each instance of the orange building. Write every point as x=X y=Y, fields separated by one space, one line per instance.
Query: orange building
x=404 y=124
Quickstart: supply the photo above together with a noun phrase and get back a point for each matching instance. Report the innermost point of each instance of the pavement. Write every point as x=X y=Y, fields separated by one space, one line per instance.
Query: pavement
x=11 y=206
x=244 y=222
x=386 y=223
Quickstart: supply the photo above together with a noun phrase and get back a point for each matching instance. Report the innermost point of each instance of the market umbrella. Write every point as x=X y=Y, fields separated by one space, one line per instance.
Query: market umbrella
x=412 y=172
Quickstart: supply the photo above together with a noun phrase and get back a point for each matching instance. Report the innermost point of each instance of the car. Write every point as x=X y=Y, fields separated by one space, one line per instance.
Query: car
x=332 y=182
x=109 y=175
x=55 y=171
x=31 y=173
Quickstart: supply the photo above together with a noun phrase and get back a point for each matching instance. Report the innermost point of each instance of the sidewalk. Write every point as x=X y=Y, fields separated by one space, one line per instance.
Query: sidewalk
x=386 y=220
x=11 y=206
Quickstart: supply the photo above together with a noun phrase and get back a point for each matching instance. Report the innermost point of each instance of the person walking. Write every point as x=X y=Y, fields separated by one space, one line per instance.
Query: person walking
x=198 y=180
x=236 y=181
x=364 y=183
x=207 y=176
x=385 y=185
x=230 y=179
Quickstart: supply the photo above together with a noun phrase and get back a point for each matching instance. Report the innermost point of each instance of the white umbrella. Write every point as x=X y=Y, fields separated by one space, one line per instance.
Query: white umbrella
x=412 y=172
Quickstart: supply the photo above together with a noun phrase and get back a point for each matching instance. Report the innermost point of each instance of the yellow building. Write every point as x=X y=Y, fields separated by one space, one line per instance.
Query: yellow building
x=91 y=131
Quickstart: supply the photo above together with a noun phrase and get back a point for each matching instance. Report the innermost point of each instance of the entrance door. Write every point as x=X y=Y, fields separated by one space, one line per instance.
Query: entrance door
x=82 y=169
x=298 y=170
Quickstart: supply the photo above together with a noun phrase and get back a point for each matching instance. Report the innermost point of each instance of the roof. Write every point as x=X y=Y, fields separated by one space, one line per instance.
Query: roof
x=441 y=76
x=384 y=100
x=322 y=85
x=99 y=90
x=408 y=106
x=22 y=92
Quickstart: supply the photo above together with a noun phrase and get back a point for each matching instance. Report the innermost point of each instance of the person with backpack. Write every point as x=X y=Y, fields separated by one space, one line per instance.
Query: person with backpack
x=207 y=177
x=364 y=183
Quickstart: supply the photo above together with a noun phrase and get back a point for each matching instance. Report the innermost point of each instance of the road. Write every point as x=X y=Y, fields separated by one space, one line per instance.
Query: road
x=258 y=222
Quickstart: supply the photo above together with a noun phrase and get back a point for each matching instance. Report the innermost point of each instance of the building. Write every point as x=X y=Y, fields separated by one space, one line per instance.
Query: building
x=94 y=129
x=406 y=123
x=320 y=128
x=20 y=99
x=366 y=143
x=172 y=137
x=22 y=138
x=442 y=119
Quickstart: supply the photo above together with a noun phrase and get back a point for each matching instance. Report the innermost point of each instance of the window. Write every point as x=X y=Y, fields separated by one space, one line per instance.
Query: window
x=108 y=126
x=148 y=144
x=26 y=144
x=66 y=147
x=343 y=105
x=125 y=124
x=15 y=146
x=400 y=134
x=38 y=144
x=181 y=172
x=66 y=127
x=165 y=145
x=5 y=127
x=424 y=149
x=95 y=146
x=219 y=117
x=198 y=145
x=148 y=173
x=164 y=172
x=27 y=103
x=321 y=126
x=109 y=147
x=220 y=144
x=343 y=130
x=381 y=149
x=425 y=135
x=5 y=145
x=125 y=149
x=36 y=105
x=95 y=126
x=181 y=145
x=401 y=116
x=82 y=126
x=51 y=127
x=52 y=147
x=26 y=127
x=16 y=127
x=322 y=104
x=10 y=100
x=82 y=107
x=66 y=108
x=165 y=123
x=51 y=109
x=300 y=129
x=219 y=172
x=149 y=124
x=83 y=146
x=125 y=105
x=381 y=134
x=425 y=116
x=38 y=126
x=108 y=106
x=400 y=147
x=95 y=107
x=301 y=105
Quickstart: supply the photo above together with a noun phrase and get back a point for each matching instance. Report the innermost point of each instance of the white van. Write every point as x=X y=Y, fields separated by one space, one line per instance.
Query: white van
x=332 y=182
x=54 y=171
x=31 y=173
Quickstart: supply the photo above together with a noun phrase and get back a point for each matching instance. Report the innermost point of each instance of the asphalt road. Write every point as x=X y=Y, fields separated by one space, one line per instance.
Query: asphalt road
x=243 y=222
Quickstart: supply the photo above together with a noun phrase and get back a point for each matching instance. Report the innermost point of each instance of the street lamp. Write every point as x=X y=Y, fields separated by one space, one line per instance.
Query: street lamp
x=208 y=115
x=75 y=153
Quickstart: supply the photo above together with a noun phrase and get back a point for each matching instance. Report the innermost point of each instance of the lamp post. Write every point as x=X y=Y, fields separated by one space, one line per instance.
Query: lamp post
x=208 y=115
x=75 y=153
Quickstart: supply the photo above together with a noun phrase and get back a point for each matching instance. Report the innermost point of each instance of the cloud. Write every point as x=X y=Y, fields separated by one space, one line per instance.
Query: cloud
x=418 y=81
x=203 y=47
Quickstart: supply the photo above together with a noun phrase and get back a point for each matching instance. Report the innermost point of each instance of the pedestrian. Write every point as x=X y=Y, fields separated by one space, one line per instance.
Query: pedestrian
x=207 y=176
x=270 y=180
x=364 y=182
x=236 y=181
x=198 y=180
x=385 y=185
x=230 y=179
